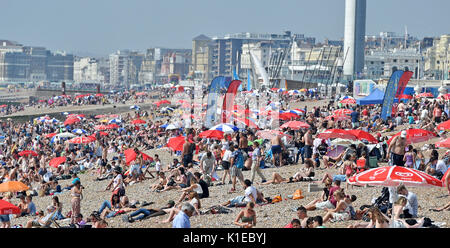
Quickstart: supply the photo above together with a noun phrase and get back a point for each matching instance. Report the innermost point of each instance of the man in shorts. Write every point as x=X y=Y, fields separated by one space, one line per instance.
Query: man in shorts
x=235 y=172
x=277 y=148
x=397 y=149
x=309 y=143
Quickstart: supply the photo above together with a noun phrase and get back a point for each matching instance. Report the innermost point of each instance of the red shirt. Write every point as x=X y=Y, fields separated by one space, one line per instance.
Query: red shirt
x=365 y=112
x=331 y=196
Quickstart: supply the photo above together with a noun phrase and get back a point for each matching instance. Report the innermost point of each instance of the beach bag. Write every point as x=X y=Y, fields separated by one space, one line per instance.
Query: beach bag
x=297 y=195
x=277 y=199
x=239 y=160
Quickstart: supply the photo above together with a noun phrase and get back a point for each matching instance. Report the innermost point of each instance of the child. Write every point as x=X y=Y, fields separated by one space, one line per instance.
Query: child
x=409 y=157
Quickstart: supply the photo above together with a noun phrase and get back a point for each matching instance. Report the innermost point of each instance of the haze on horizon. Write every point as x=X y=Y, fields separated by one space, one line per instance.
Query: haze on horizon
x=103 y=26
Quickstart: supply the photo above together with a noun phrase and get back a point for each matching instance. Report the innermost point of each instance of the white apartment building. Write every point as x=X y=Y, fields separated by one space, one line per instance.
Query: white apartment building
x=87 y=70
x=381 y=64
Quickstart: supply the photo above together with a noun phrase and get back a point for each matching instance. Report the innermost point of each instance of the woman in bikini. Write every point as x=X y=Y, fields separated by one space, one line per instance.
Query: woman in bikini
x=77 y=195
x=247 y=217
x=397 y=210
x=409 y=157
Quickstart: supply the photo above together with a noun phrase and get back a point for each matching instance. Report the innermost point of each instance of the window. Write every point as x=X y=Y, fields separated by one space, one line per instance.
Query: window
x=371 y=62
x=395 y=61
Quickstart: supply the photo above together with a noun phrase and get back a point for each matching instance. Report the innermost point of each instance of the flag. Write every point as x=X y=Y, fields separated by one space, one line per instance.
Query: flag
x=389 y=94
x=249 y=83
x=228 y=100
x=403 y=82
x=213 y=95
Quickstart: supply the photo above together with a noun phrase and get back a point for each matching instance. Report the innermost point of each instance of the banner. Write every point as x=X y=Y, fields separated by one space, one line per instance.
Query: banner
x=389 y=94
x=403 y=82
x=249 y=81
x=213 y=95
x=228 y=100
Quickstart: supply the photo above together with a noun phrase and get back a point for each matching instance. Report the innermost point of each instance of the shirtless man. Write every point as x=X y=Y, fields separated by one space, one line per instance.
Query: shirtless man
x=187 y=155
x=308 y=139
x=277 y=148
x=397 y=149
x=243 y=143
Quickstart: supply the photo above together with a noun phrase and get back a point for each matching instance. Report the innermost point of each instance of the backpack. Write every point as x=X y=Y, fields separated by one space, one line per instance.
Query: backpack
x=239 y=160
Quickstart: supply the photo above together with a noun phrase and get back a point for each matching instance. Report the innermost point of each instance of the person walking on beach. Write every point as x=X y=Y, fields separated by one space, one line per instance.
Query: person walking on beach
x=397 y=149
x=77 y=194
x=309 y=143
x=277 y=148
x=256 y=160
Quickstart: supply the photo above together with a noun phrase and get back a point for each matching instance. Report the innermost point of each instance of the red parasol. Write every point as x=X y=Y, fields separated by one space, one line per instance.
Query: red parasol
x=212 y=134
x=288 y=116
x=336 y=133
x=426 y=94
x=363 y=135
x=444 y=126
x=394 y=176
x=342 y=111
x=50 y=135
x=348 y=101
x=55 y=162
x=71 y=121
x=130 y=155
x=27 y=153
x=81 y=140
x=138 y=121
x=176 y=143
x=444 y=143
x=8 y=208
x=415 y=136
x=295 y=125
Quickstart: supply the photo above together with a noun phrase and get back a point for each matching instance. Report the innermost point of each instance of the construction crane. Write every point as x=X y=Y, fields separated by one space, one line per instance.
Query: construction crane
x=276 y=62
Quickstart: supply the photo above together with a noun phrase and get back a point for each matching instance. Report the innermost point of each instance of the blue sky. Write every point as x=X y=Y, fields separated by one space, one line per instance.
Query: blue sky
x=103 y=26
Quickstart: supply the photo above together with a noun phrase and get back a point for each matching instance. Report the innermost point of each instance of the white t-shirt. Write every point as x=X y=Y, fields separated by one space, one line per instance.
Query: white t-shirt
x=198 y=189
x=441 y=166
x=193 y=201
x=250 y=191
x=424 y=114
x=116 y=181
x=158 y=166
x=226 y=156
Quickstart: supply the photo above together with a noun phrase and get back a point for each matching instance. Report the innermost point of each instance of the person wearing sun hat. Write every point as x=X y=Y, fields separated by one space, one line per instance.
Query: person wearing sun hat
x=396 y=149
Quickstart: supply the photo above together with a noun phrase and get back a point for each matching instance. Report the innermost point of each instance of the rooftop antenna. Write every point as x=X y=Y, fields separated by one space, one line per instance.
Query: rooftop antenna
x=406 y=35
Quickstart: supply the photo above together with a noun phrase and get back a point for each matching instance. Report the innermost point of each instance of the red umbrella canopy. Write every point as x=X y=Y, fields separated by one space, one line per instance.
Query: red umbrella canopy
x=100 y=116
x=295 y=125
x=444 y=143
x=130 y=156
x=212 y=134
x=342 y=111
x=50 y=135
x=81 y=140
x=8 y=208
x=362 y=135
x=3 y=106
x=336 y=133
x=55 y=162
x=394 y=176
x=415 y=136
x=27 y=153
x=138 y=121
x=403 y=96
x=426 y=94
x=338 y=117
x=99 y=94
x=446 y=96
x=288 y=116
x=103 y=133
x=444 y=126
x=71 y=121
x=112 y=126
x=176 y=143
x=348 y=101
x=100 y=127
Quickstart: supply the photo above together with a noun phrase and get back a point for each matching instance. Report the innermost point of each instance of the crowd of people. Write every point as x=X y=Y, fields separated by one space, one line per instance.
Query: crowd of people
x=119 y=159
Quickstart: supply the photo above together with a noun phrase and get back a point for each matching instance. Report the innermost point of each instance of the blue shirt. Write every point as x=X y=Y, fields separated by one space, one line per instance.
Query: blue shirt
x=181 y=220
x=355 y=116
x=32 y=208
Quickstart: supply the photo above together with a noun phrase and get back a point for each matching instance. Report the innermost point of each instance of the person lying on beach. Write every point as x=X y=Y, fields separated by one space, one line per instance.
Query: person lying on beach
x=377 y=220
x=43 y=221
x=397 y=211
x=250 y=195
x=194 y=200
x=247 y=217
x=149 y=212
x=306 y=172
x=446 y=207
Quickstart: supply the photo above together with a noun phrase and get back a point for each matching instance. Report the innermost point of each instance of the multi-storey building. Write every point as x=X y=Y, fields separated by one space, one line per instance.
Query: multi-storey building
x=438 y=58
x=382 y=63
